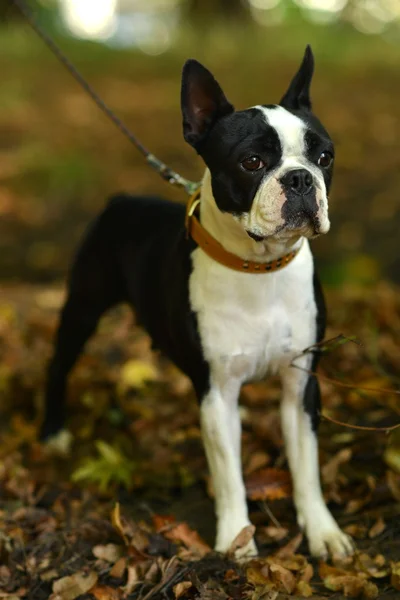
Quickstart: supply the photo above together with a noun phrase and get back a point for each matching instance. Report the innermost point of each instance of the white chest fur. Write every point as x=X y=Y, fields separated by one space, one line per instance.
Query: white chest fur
x=251 y=325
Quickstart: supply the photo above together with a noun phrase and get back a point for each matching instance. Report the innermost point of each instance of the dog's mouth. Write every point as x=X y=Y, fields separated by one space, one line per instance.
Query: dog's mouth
x=260 y=238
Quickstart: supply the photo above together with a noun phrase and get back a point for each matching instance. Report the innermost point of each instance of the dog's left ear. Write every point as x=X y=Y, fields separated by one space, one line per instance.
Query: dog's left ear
x=298 y=94
x=202 y=101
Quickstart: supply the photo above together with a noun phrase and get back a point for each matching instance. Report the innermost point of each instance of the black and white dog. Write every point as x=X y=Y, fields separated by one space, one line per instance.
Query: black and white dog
x=263 y=195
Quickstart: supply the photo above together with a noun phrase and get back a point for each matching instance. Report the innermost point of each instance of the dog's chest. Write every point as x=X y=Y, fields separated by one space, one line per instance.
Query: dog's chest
x=251 y=325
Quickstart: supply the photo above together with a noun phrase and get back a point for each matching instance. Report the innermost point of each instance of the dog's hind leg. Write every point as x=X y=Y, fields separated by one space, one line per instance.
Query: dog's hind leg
x=221 y=431
x=92 y=291
x=300 y=415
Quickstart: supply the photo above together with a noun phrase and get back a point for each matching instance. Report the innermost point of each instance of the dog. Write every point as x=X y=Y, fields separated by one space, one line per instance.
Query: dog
x=231 y=297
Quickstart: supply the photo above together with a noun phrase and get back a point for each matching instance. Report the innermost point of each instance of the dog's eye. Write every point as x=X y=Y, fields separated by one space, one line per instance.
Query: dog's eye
x=252 y=163
x=325 y=160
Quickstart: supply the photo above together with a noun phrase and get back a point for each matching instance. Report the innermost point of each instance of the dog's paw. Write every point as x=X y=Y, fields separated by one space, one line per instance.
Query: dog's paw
x=325 y=538
x=330 y=542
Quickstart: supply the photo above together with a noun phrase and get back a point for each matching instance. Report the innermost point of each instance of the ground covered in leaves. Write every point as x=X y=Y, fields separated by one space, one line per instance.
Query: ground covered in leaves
x=127 y=513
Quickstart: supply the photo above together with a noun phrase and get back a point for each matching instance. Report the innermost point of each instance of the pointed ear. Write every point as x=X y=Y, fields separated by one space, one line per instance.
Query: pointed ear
x=202 y=101
x=298 y=94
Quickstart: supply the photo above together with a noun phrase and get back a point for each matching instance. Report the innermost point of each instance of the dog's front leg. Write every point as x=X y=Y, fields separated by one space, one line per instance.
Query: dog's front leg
x=221 y=430
x=299 y=413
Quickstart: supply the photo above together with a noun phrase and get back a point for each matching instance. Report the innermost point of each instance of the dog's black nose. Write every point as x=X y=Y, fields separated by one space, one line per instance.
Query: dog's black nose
x=299 y=181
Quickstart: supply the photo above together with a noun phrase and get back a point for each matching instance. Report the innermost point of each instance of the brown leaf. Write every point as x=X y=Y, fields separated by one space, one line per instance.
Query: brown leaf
x=268 y=484
x=373 y=567
x=110 y=552
x=356 y=530
x=377 y=528
x=290 y=547
x=181 y=587
x=255 y=575
x=303 y=589
x=105 y=592
x=330 y=470
x=307 y=574
x=133 y=579
x=72 y=586
x=119 y=568
x=275 y=533
x=285 y=580
x=356 y=504
x=351 y=586
x=256 y=461
x=370 y=591
x=190 y=538
x=242 y=538
x=131 y=533
x=160 y=522
x=326 y=570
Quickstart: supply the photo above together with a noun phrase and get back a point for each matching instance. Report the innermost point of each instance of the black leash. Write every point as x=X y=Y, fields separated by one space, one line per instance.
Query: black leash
x=162 y=169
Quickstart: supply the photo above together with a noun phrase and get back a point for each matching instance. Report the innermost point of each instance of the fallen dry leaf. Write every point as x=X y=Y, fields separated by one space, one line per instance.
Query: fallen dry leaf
x=268 y=484
x=190 y=538
x=275 y=533
x=109 y=552
x=290 y=548
x=105 y=592
x=73 y=586
x=256 y=461
x=374 y=567
x=351 y=585
x=356 y=530
x=119 y=568
x=242 y=539
x=303 y=589
x=377 y=528
x=133 y=536
x=330 y=470
x=181 y=587
x=284 y=579
x=135 y=374
x=160 y=522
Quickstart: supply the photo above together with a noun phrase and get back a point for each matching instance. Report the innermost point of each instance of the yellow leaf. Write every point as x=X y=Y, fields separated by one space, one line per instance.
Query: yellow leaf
x=69 y=588
x=181 y=587
x=135 y=374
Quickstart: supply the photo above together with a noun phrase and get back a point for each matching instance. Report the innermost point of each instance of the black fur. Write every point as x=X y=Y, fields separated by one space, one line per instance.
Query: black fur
x=312 y=394
x=144 y=237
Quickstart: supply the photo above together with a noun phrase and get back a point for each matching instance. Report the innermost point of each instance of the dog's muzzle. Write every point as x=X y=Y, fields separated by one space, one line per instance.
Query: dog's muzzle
x=301 y=206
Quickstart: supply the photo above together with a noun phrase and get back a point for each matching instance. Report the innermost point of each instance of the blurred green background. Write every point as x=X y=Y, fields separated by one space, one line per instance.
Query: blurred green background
x=60 y=157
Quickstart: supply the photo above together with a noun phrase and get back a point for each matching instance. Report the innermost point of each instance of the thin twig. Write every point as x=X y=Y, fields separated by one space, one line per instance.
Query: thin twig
x=322 y=347
x=351 y=386
x=271 y=515
x=361 y=427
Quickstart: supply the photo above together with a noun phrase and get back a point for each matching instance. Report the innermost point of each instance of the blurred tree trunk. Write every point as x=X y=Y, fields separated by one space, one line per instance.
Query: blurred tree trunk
x=218 y=9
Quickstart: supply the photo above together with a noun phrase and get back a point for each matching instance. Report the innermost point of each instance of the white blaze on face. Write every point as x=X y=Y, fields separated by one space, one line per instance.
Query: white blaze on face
x=265 y=217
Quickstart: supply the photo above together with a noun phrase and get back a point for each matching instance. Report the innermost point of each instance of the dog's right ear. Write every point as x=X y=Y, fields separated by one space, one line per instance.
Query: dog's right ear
x=202 y=101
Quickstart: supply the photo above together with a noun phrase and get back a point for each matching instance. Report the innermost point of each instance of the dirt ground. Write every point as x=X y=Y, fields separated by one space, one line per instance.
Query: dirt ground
x=128 y=512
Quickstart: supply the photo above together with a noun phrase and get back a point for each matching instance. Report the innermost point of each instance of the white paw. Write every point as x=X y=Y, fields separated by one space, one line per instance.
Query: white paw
x=325 y=538
x=330 y=542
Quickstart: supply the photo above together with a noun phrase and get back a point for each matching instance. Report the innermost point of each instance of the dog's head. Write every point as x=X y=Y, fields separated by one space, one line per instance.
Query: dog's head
x=271 y=165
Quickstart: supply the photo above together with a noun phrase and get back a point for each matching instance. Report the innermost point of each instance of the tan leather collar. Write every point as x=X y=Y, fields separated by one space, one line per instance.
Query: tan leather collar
x=216 y=251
